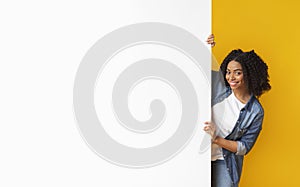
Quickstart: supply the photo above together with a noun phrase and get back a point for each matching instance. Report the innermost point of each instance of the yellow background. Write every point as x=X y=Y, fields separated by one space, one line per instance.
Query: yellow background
x=272 y=29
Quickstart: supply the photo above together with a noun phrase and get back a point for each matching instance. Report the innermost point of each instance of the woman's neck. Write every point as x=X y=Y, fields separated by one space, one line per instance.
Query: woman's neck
x=242 y=95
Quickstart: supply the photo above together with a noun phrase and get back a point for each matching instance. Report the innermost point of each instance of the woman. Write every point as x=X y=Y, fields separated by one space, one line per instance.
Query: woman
x=237 y=114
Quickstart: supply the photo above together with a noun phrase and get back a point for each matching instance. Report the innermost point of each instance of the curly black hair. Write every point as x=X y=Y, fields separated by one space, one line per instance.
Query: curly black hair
x=255 y=70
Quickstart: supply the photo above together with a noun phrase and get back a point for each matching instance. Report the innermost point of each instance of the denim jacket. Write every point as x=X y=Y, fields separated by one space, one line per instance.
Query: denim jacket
x=245 y=131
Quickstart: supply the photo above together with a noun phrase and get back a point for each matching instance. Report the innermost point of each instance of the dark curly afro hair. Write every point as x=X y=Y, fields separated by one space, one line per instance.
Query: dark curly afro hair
x=255 y=70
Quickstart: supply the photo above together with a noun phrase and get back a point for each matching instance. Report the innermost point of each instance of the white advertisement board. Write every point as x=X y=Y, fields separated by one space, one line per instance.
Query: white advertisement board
x=105 y=93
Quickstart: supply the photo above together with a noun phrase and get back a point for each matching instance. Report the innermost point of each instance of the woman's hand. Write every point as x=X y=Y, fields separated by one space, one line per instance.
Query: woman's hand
x=211 y=40
x=210 y=128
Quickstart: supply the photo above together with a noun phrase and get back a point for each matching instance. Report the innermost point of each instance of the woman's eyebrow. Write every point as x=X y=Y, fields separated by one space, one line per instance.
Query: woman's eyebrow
x=235 y=70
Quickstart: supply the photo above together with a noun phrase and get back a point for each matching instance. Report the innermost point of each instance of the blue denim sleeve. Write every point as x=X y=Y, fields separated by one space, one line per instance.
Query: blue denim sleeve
x=248 y=140
x=218 y=87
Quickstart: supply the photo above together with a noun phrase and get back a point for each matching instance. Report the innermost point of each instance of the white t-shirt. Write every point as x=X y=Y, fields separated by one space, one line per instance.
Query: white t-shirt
x=225 y=115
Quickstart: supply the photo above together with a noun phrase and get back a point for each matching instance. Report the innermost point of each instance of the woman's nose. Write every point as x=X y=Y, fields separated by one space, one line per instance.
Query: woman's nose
x=231 y=77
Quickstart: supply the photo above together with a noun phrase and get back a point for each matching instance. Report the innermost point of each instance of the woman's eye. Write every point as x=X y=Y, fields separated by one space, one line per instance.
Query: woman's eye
x=238 y=73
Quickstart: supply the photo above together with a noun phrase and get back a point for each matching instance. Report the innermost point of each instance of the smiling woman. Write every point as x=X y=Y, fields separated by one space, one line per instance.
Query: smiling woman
x=237 y=114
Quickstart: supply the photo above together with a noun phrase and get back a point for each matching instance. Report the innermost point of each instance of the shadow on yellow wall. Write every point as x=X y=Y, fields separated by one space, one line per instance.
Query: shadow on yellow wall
x=272 y=29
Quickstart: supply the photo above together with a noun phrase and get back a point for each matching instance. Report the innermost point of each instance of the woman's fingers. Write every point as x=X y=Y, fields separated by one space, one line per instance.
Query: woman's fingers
x=211 y=37
x=208 y=123
x=207 y=128
x=211 y=40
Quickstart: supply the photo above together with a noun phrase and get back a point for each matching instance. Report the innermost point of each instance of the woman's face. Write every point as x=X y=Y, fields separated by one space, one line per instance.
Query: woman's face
x=235 y=77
